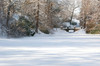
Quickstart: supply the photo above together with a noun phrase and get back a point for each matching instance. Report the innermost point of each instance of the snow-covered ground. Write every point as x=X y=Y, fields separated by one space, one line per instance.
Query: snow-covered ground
x=58 y=49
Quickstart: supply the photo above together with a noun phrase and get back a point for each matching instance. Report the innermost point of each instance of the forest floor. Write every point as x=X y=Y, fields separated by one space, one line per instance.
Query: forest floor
x=58 y=49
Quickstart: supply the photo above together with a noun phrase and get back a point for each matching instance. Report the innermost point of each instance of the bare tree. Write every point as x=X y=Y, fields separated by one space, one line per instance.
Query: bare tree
x=68 y=8
x=73 y=5
x=89 y=14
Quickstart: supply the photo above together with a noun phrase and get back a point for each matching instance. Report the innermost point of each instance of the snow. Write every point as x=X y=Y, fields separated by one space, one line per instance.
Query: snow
x=71 y=31
x=58 y=49
x=2 y=31
x=82 y=31
x=16 y=16
x=75 y=20
x=67 y=24
x=77 y=11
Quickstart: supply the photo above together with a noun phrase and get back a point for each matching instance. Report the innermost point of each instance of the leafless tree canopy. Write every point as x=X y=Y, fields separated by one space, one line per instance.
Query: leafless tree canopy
x=90 y=15
x=27 y=17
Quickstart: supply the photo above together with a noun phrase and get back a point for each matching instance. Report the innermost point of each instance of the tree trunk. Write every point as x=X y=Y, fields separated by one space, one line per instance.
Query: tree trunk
x=37 y=18
x=8 y=13
x=72 y=17
x=49 y=13
x=8 y=17
x=85 y=22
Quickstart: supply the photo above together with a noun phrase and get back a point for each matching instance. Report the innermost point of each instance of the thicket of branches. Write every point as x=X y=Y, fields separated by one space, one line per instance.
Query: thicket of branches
x=20 y=18
x=90 y=16
x=26 y=17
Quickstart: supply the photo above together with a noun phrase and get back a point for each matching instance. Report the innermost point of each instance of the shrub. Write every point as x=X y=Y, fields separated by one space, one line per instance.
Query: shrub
x=45 y=31
x=95 y=32
x=21 y=28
